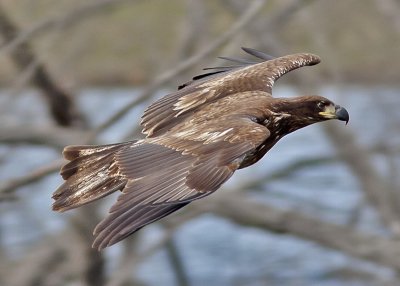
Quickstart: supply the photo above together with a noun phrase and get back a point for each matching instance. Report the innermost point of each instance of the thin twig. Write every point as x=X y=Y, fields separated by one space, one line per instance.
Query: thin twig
x=10 y=186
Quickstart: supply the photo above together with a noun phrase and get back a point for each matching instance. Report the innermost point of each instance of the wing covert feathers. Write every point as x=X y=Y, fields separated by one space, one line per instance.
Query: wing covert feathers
x=161 y=180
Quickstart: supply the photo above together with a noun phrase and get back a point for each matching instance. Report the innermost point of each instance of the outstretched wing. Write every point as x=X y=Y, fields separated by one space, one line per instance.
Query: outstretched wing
x=238 y=63
x=164 y=174
x=173 y=108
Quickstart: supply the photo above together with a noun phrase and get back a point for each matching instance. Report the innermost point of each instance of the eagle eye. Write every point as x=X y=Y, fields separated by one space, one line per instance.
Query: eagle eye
x=321 y=105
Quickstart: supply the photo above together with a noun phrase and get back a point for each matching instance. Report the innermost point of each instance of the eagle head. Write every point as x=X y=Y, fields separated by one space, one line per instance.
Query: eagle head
x=301 y=111
x=315 y=108
x=322 y=109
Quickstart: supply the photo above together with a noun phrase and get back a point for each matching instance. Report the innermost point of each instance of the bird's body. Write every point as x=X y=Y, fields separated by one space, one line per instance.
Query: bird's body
x=196 y=138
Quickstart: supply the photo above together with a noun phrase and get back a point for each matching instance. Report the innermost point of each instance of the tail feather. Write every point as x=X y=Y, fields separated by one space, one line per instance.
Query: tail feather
x=85 y=159
x=90 y=175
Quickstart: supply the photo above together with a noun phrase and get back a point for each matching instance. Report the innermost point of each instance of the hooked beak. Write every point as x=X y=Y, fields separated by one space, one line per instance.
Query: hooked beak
x=341 y=113
x=336 y=112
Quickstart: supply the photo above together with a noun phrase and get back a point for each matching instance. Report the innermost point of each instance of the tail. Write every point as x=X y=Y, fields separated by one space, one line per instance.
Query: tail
x=90 y=175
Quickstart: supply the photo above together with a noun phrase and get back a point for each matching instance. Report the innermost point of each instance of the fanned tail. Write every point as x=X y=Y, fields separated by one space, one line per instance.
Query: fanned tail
x=90 y=175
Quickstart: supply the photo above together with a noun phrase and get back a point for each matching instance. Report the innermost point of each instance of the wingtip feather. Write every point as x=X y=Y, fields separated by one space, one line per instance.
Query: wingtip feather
x=258 y=54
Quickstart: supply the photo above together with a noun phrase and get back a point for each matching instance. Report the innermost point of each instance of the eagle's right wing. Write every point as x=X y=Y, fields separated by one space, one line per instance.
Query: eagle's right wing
x=173 y=108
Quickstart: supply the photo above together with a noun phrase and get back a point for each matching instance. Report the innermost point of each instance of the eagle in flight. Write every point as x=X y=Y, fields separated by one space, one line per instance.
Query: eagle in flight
x=196 y=138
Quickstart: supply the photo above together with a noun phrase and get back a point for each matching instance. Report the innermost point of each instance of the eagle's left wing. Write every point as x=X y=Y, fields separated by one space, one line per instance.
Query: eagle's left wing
x=170 y=110
x=165 y=173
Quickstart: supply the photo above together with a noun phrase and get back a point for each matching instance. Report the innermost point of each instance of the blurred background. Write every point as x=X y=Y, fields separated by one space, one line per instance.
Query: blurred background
x=322 y=208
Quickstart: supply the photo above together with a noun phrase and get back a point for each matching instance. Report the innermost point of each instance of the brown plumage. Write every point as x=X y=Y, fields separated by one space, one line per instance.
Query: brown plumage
x=196 y=138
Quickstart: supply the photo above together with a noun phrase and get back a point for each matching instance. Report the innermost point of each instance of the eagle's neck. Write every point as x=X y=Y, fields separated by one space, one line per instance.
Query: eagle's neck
x=281 y=119
x=288 y=115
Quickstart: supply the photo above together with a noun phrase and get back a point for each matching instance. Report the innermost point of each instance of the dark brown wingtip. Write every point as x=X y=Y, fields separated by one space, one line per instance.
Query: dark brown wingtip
x=301 y=60
x=282 y=65
x=258 y=54
x=311 y=59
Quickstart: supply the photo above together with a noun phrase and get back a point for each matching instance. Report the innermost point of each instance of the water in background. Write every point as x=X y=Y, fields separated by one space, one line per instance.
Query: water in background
x=215 y=251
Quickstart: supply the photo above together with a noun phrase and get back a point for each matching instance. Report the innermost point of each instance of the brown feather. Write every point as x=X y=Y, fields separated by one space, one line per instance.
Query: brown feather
x=115 y=228
x=89 y=176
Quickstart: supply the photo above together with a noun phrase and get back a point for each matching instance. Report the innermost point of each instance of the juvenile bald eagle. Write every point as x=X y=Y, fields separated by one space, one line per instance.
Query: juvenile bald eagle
x=196 y=138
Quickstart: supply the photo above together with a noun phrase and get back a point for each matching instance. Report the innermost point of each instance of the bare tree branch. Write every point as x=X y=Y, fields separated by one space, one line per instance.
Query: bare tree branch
x=194 y=29
x=136 y=257
x=31 y=269
x=93 y=268
x=10 y=186
x=238 y=208
x=270 y=25
x=378 y=191
x=177 y=263
x=61 y=104
x=241 y=210
x=243 y=20
x=376 y=188
x=50 y=135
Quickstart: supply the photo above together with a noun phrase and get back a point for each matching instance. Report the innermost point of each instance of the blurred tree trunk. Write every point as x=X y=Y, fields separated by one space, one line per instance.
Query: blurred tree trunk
x=94 y=265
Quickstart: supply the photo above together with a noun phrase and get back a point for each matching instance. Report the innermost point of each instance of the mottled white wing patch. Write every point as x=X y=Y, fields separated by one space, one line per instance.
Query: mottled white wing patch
x=191 y=101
